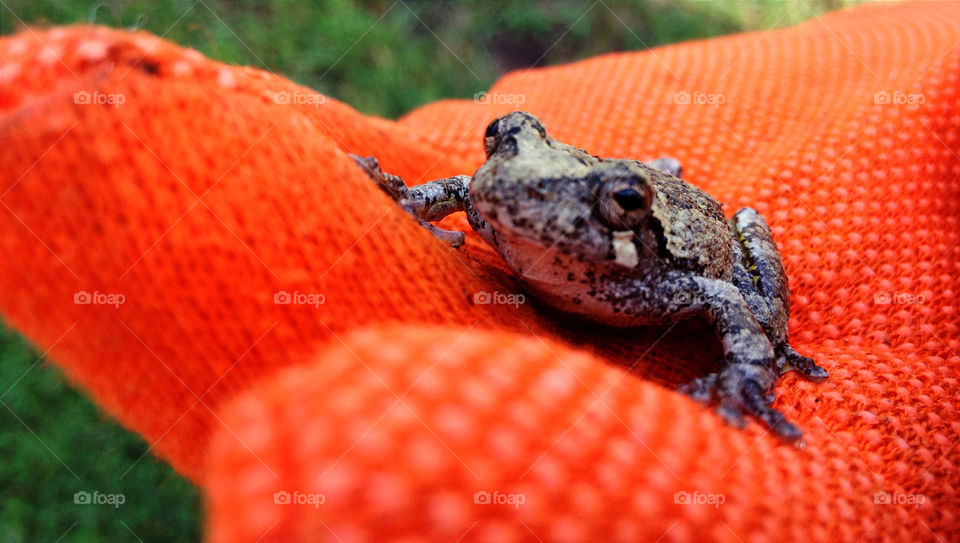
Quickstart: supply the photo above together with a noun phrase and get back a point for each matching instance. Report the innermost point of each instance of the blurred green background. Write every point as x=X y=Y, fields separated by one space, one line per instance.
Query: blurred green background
x=384 y=58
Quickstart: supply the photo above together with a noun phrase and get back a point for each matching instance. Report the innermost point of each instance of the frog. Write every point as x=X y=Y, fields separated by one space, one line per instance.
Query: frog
x=626 y=243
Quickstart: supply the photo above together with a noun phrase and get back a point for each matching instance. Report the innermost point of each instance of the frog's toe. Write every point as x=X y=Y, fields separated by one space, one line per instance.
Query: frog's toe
x=746 y=388
x=390 y=184
x=732 y=413
x=701 y=389
x=789 y=360
x=455 y=238
x=756 y=405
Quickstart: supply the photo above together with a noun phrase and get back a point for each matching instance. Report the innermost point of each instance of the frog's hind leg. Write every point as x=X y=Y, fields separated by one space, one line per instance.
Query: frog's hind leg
x=428 y=202
x=760 y=277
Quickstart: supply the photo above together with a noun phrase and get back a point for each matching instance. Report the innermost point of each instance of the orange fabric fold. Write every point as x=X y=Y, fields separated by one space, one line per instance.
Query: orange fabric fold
x=158 y=206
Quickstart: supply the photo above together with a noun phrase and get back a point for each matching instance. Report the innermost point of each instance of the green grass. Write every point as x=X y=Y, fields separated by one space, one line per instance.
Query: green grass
x=386 y=58
x=56 y=443
x=383 y=58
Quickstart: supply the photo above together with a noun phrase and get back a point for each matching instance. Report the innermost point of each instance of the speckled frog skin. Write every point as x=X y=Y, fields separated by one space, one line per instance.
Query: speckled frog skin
x=626 y=243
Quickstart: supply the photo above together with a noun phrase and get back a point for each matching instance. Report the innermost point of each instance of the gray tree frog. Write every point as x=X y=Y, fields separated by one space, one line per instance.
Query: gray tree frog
x=626 y=243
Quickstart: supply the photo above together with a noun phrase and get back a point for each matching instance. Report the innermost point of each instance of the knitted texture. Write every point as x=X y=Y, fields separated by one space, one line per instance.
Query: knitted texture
x=210 y=189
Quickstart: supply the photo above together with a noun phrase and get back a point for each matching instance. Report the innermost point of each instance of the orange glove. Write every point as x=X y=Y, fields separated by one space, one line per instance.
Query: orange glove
x=179 y=196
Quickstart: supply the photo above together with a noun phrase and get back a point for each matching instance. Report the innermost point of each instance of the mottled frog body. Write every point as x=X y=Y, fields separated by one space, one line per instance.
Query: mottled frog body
x=626 y=243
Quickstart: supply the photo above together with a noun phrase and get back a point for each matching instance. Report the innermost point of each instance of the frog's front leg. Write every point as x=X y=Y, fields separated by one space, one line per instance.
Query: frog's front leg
x=750 y=363
x=428 y=202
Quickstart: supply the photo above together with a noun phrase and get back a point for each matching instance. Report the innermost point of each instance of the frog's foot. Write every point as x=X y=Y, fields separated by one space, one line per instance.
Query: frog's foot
x=701 y=390
x=428 y=202
x=790 y=360
x=744 y=389
x=667 y=165
x=391 y=184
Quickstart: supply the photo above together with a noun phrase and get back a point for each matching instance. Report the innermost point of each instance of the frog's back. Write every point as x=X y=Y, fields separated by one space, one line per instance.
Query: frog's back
x=693 y=232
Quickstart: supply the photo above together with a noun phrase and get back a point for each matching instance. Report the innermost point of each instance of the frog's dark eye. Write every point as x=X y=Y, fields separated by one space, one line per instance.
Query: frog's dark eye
x=629 y=199
x=623 y=203
x=492 y=129
x=491 y=137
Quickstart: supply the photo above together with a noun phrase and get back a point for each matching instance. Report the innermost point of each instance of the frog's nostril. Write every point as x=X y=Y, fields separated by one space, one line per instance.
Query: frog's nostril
x=629 y=199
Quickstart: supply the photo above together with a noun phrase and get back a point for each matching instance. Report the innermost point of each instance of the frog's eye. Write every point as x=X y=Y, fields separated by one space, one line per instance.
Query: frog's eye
x=629 y=199
x=623 y=203
x=492 y=129
x=490 y=139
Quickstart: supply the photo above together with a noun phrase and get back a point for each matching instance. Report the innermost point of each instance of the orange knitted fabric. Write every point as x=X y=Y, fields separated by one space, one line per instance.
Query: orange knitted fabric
x=138 y=172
